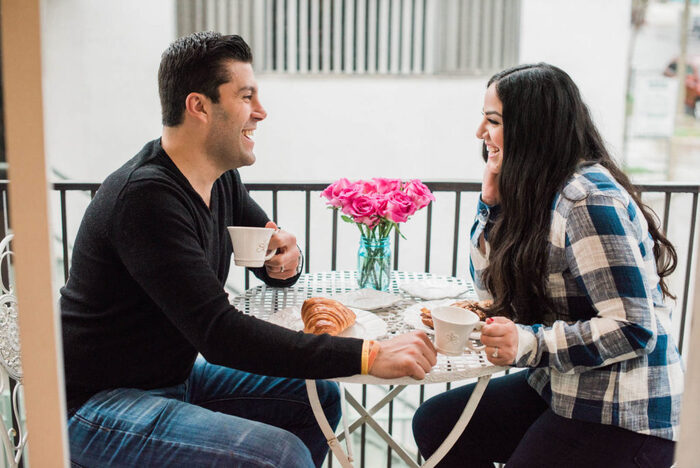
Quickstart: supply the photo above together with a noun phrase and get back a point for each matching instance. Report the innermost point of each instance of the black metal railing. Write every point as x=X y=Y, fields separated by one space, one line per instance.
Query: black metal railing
x=442 y=247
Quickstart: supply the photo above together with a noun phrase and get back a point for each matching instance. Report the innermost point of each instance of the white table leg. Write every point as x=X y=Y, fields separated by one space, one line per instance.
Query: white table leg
x=367 y=418
x=346 y=430
x=325 y=426
x=365 y=414
x=461 y=423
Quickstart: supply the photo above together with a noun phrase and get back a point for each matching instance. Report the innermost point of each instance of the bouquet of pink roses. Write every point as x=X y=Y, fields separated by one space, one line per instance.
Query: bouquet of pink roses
x=376 y=206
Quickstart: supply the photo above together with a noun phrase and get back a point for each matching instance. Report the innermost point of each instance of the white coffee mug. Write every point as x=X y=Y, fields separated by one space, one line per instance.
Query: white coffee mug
x=453 y=325
x=250 y=245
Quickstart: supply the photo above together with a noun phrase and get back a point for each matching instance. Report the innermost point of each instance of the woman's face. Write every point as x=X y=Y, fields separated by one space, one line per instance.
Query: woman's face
x=491 y=128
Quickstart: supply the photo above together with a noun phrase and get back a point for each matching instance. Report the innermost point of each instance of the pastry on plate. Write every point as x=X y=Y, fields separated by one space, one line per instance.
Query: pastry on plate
x=474 y=306
x=324 y=315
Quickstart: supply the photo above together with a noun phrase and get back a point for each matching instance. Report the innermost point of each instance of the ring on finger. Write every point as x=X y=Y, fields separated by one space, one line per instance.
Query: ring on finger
x=495 y=353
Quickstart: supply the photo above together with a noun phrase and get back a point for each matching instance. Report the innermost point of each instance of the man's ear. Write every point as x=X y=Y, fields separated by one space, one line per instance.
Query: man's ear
x=197 y=106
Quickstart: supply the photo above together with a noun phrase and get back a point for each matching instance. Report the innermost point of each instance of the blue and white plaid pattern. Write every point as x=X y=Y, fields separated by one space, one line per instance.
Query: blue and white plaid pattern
x=606 y=355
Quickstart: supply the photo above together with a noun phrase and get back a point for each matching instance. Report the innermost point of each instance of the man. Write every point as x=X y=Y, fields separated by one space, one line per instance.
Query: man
x=145 y=296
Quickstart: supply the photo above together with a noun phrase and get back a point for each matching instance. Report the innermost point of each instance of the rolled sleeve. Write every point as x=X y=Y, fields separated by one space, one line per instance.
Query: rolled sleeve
x=527 y=345
x=478 y=260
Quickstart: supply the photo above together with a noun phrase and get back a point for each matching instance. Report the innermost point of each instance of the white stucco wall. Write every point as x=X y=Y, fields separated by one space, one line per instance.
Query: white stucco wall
x=101 y=105
x=588 y=39
x=325 y=128
x=424 y=126
x=100 y=66
x=101 y=60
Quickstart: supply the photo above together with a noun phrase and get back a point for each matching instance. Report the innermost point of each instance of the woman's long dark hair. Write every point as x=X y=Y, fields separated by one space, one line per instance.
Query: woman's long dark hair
x=547 y=132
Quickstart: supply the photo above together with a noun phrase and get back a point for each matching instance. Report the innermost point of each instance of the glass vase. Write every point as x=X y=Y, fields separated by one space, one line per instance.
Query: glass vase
x=374 y=263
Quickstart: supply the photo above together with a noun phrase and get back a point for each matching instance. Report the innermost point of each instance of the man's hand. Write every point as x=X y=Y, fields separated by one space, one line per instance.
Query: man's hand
x=500 y=336
x=284 y=263
x=412 y=354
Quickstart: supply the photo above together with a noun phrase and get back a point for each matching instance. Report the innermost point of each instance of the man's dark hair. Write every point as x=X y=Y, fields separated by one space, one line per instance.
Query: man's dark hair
x=196 y=64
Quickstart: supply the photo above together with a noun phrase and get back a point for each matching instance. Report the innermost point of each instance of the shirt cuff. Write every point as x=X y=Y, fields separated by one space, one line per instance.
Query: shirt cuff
x=300 y=261
x=527 y=343
x=488 y=212
x=485 y=216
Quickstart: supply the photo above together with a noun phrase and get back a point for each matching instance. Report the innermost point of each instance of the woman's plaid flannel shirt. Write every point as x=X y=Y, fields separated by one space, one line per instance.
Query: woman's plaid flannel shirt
x=606 y=355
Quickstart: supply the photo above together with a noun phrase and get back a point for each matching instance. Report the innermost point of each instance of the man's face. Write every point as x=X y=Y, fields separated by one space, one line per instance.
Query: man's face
x=234 y=118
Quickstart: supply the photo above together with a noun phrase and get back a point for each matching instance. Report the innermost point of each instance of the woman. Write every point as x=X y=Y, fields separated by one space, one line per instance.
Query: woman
x=576 y=267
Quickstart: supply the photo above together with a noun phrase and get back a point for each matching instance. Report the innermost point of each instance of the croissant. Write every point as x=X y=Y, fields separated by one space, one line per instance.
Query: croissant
x=323 y=315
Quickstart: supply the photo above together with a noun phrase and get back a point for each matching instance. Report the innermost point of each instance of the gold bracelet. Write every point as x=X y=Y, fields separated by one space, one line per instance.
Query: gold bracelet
x=364 y=367
x=373 y=352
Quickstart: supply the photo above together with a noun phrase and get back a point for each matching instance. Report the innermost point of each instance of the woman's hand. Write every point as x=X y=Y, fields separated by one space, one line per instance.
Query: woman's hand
x=489 y=184
x=500 y=336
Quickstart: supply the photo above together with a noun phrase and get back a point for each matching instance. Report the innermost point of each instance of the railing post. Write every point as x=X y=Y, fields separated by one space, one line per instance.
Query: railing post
x=686 y=449
x=692 y=241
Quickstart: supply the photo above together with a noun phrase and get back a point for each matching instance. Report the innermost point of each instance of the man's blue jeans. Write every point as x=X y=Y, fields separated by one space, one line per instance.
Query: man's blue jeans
x=217 y=417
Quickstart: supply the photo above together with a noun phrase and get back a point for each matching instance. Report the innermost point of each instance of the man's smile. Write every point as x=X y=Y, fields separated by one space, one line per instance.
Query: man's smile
x=248 y=134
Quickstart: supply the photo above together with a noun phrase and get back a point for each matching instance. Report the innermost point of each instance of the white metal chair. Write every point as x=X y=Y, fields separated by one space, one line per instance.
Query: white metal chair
x=10 y=360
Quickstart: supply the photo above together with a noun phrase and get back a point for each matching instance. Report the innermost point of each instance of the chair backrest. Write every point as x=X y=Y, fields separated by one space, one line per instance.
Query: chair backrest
x=10 y=358
x=14 y=438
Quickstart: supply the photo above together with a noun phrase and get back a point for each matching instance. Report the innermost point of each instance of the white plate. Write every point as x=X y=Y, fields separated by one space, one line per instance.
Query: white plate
x=412 y=316
x=433 y=289
x=367 y=299
x=367 y=325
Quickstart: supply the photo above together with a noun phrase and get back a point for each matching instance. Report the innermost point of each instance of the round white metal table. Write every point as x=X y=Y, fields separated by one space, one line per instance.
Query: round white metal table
x=263 y=302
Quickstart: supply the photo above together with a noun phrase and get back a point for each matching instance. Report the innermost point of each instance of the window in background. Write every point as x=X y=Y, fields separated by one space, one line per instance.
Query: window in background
x=365 y=36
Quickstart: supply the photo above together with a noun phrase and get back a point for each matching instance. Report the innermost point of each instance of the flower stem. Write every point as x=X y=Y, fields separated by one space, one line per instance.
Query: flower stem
x=374 y=262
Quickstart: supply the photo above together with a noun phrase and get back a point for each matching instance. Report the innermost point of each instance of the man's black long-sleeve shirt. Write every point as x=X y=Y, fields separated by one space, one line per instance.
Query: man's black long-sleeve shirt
x=145 y=292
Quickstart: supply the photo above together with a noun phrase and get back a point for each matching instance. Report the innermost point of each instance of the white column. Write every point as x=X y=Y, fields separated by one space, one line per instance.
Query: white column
x=303 y=15
x=279 y=36
x=406 y=36
x=394 y=43
x=360 y=37
x=42 y=360
x=383 y=36
x=372 y=36
x=417 y=38
x=292 y=46
x=326 y=36
x=315 y=31
x=337 y=36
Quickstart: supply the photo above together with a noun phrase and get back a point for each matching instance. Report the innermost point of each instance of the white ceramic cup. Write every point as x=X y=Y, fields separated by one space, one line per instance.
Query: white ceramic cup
x=453 y=325
x=250 y=245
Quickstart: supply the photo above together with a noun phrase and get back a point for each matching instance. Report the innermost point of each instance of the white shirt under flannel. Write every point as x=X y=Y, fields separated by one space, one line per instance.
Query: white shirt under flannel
x=607 y=354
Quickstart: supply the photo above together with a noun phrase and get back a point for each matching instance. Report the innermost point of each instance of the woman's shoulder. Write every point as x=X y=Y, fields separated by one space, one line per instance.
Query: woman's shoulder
x=592 y=183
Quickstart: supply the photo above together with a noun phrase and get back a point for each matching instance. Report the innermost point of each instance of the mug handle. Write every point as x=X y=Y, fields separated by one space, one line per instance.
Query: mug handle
x=270 y=255
x=471 y=345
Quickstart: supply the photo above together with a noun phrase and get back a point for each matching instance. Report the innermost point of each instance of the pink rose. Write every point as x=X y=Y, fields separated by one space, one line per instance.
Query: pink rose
x=387 y=185
x=419 y=193
x=362 y=209
x=332 y=191
x=368 y=186
x=399 y=207
x=348 y=194
x=380 y=204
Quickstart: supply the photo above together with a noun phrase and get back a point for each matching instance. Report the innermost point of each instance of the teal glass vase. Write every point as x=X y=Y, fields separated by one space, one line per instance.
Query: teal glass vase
x=374 y=263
